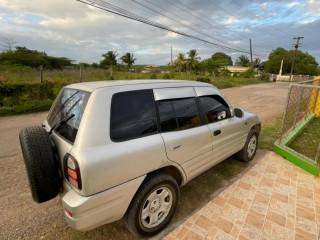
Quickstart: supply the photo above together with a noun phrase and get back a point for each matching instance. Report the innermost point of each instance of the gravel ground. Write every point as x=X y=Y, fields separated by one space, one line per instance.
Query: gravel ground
x=22 y=218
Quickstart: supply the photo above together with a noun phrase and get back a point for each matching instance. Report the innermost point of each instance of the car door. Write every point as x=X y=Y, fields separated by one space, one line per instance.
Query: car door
x=186 y=137
x=228 y=132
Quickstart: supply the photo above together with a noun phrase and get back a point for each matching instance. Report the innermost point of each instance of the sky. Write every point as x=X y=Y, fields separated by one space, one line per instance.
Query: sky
x=69 y=28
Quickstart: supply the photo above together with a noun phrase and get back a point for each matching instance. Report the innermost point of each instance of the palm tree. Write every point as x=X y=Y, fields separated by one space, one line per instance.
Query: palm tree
x=243 y=61
x=128 y=59
x=110 y=59
x=180 y=61
x=193 y=59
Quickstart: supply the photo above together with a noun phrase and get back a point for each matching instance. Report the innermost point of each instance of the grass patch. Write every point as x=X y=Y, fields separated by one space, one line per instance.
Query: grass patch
x=307 y=142
x=270 y=133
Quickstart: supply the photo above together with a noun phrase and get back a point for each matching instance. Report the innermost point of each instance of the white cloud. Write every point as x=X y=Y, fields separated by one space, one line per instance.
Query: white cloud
x=264 y=5
x=83 y=33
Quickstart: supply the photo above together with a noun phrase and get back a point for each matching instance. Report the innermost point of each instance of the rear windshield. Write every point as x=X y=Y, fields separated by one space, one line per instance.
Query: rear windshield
x=68 y=102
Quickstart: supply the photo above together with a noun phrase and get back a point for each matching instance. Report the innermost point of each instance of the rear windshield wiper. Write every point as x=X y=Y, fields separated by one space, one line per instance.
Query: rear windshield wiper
x=61 y=123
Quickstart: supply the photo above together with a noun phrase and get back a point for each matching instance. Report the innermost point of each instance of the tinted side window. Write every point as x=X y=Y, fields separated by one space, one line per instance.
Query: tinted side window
x=132 y=115
x=178 y=114
x=214 y=108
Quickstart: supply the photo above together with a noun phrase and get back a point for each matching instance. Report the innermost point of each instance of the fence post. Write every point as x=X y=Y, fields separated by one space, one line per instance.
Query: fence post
x=41 y=73
x=80 y=73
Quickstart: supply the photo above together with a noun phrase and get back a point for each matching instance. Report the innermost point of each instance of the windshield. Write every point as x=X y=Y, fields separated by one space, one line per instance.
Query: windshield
x=68 y=102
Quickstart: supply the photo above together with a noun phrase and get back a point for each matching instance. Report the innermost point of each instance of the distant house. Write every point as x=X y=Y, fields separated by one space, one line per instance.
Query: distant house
x=237 y=69
x=150 y=68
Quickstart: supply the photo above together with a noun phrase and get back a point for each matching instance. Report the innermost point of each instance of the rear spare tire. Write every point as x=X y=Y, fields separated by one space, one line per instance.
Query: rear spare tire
x=40 y=162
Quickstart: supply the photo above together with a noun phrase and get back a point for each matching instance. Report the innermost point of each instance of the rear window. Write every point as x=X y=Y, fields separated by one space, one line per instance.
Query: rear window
x=68 y=103
x=178 y=114
x=133 y=115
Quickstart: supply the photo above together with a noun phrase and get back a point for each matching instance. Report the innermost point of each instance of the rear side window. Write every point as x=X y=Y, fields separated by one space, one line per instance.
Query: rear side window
x=214 y=108
x=133 y=115
x=178 y=114
x=70 y=104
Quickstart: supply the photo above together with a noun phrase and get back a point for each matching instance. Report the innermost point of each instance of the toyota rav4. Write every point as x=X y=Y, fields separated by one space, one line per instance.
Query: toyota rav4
x=122 y=149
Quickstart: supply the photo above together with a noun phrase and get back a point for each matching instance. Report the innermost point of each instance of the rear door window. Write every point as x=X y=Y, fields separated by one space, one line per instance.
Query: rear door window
x=133 y=115
x=69 y=103
x=178 y=114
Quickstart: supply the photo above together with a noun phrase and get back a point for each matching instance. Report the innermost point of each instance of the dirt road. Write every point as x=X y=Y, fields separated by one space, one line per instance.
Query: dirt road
x=21 y=218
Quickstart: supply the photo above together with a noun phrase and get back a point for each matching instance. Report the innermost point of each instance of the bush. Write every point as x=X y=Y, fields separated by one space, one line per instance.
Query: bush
x=166 y=76
x=25 y=97
x=247 y=74
x=153 y=75
x=203 y=79
x=264 y=77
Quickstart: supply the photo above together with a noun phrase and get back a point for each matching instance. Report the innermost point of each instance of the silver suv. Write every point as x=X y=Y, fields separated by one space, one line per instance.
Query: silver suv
x=122 y=149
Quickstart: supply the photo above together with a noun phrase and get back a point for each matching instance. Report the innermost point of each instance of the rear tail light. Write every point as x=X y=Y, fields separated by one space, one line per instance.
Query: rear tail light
x=73 y=172
x=68 y=212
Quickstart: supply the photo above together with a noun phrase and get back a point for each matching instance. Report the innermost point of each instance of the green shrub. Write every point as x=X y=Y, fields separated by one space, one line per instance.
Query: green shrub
x=247 y=74
x=153 y=75
x=203 y=79
x=166 y=76
x=25 y=97
x=264 y=77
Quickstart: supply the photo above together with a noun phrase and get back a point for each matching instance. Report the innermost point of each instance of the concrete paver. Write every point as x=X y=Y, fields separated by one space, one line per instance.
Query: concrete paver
x=273 y=200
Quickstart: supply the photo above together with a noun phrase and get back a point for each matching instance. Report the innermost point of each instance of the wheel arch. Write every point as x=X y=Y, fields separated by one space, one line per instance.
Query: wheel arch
x=172 y=171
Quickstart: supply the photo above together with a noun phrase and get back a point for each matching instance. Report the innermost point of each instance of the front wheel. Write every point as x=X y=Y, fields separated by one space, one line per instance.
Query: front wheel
x=249 y=150
x=153 y=205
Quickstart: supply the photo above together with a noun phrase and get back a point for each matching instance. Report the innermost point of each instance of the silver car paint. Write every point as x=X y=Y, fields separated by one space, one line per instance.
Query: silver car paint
x=109 y=167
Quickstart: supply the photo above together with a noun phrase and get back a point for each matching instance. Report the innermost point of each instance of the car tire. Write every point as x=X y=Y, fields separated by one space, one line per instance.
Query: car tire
x=157 y=200
x=40 y=162
x=247 y=153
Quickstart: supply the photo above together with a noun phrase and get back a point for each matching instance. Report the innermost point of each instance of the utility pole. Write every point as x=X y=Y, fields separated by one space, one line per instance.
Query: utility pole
x=250 y=51
x=296 y=46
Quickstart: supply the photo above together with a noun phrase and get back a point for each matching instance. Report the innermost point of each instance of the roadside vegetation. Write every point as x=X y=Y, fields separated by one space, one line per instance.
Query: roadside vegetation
x=270 y=132
x=30 y=80
x=23 y=69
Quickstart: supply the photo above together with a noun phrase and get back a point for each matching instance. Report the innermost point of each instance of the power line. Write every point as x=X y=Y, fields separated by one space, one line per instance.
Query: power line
x=105 y=6
x=166 y=10
x=205 y=19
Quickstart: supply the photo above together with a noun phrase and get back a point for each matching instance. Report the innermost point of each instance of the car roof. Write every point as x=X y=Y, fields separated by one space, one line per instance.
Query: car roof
x=91 y=86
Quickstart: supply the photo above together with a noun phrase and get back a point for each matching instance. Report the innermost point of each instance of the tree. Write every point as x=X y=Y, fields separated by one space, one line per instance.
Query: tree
x=193 y=59
x=7 y=44
x=33 y=58
x=274 y=61
x=221 y=59
x=128 y=59
x=110 y=60
x=208 y=65
x=180 y=61
x=305 y=64
x=257 y=62
x=243 y=61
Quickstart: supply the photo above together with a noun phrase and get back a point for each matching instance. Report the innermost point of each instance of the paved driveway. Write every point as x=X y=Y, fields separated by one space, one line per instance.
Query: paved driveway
x=273 y=200
x=22 y=218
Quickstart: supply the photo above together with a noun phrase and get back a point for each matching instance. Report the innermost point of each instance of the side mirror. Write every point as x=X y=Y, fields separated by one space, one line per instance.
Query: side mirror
x=238 y=112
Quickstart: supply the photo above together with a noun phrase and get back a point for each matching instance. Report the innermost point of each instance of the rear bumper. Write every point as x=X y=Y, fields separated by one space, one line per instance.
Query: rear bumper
x=99 y=209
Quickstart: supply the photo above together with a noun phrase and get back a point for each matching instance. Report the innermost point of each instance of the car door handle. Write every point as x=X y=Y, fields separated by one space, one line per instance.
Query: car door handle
x=216 y=132
x=175 y=147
